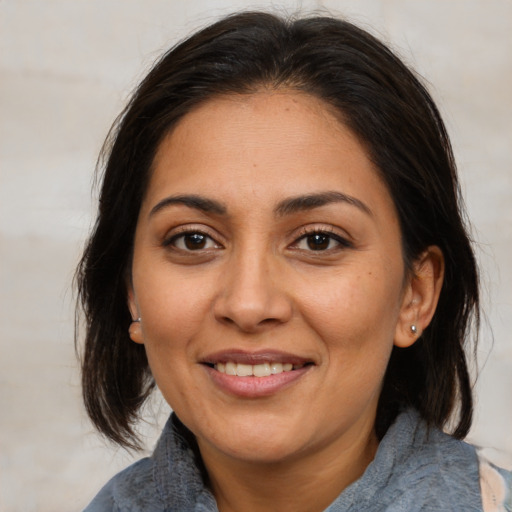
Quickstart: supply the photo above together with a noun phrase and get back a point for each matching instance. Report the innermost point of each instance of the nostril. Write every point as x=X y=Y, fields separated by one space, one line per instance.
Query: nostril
x=249 y=324
x=267 y=321
x=227 y=320
x=252 y=304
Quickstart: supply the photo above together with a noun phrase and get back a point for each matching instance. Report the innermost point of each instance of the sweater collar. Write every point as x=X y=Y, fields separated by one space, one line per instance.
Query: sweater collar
x=410 y=459
x=179 y=472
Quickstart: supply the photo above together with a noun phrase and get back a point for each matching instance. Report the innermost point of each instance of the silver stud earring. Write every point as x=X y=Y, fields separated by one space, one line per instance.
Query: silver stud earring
x=414 y=329
x=137 y=319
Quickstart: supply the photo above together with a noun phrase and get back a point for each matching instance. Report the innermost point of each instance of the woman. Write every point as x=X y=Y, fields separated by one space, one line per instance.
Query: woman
x=280 y=248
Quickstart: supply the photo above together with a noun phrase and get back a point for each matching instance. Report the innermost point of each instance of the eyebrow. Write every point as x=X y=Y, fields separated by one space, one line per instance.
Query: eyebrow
x=285 y=207
x=192 y=201
x=311 y=201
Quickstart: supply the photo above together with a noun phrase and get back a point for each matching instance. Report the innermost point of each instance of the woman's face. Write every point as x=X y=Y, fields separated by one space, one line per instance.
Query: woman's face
x=269 y=277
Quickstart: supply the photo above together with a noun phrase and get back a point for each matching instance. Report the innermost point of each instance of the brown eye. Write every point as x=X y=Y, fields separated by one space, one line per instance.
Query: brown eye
x=321 y=241
x=193 y=241
x=318 y=241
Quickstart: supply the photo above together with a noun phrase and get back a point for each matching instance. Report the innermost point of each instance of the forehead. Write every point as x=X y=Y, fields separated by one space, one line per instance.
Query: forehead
x=264 y=144
x=265 y=118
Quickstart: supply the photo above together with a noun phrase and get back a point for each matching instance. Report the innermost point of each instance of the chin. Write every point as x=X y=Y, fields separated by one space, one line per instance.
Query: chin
x=259 y=450
x=259 y=440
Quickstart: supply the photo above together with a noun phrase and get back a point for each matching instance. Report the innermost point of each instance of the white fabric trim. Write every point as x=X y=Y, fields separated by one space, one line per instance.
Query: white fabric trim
x=493 y=487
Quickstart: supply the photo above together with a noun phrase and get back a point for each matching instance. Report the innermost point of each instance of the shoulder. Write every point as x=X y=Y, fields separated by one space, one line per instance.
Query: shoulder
x=461 y=471
x=448 y=471
x=170 y=480
x=430 y=470
x=416 y=469
x=132 y=490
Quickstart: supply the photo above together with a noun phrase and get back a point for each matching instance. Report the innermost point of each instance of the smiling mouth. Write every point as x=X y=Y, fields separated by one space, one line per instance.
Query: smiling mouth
x=254 y=375
x=256 y=370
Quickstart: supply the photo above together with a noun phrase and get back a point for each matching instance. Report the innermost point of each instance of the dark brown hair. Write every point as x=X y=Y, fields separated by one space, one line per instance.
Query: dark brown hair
x=396 y=120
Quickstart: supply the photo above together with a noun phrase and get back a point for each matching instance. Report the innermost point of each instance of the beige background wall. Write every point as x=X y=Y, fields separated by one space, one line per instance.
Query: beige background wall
x=66 y=68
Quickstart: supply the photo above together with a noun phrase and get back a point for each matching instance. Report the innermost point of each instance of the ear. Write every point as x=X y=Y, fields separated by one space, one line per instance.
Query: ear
x=420 y=297
x=135 y=329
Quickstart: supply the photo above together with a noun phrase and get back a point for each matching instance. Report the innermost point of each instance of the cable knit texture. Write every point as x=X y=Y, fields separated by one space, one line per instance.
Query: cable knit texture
x=414 y=470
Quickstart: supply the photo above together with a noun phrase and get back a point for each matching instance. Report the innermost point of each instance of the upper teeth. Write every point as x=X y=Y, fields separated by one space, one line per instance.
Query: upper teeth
x=256 y=370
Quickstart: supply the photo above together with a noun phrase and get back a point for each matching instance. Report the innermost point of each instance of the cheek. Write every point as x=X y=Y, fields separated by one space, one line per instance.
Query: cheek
x=172 y=317
x=172 y=306
x=351 y=304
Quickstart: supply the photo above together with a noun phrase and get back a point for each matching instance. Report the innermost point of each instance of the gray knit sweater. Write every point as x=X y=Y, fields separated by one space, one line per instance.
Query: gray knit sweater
x=414 y=470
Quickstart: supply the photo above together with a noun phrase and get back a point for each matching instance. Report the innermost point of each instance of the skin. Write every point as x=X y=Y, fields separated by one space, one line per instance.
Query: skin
x=255 y=283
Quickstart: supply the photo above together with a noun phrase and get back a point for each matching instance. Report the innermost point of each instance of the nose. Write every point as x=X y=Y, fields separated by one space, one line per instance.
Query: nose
x=253 y=293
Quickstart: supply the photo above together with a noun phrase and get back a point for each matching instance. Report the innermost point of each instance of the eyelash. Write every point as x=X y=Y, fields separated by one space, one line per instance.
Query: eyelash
x=330 y=235
x=324 y=234
x=187 y=232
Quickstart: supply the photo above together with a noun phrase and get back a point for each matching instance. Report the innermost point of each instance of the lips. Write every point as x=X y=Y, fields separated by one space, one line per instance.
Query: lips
x=255 y=374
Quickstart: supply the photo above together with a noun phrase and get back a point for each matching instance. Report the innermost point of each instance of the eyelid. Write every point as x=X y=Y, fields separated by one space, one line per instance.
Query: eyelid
x=330 y=231
x=189 y=229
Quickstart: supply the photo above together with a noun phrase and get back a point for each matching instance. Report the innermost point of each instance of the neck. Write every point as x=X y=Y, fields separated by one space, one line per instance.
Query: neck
x=305 y=483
